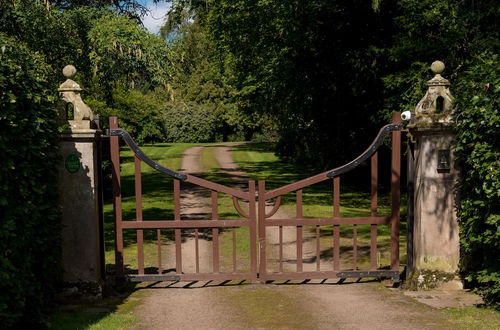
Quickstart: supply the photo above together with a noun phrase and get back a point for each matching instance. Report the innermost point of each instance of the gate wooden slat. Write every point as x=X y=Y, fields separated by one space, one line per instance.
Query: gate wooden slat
x=373 y=211
x=318 y=252
x=336 y=228
x=234 y=250
x=395 y=192
x=262 y=231
x=117 y=196
x=355 y=247
x=215 y=234
x=281 y=248
x=328 y=221
x=252 y=212
x=138 y=214
x=177 y=217
x=158 y=242
x=373 y=247
x=299 y=215
x=196 y=251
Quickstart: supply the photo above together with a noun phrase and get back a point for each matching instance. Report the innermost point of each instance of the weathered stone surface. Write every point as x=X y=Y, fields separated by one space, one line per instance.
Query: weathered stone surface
x=69 y=92
x=79 y=175
x=434 y=251
x=80 y=208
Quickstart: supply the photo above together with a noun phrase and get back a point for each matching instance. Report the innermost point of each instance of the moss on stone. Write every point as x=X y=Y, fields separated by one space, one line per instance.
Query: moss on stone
x=427 y=279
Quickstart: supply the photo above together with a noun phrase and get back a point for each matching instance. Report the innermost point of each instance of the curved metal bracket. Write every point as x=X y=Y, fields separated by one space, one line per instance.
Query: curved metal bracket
x=138 y=152
x=237 y=206
x=276 y=206
x=379 y=139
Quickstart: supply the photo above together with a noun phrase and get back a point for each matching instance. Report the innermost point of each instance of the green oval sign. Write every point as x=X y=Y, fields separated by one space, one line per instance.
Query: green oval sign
x=72 y=163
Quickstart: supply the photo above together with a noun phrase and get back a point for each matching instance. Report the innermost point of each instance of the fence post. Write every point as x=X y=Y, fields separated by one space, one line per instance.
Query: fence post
x=434 y=251
x=80 y=192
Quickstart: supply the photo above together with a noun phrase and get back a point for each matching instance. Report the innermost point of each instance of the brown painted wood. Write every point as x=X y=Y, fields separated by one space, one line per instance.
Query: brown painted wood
x=318 y=250
x=355 y=247
x=196 y=250
x=236 y=204
x=252 y=212
x=262 y=231
x=163 y=224
x=374 y=185
x=276 y=206
x=177 y=231
x=184 y=224
x=158 y=241
x=328 y=221
x=299 y=215
x=395 y=192
x=336 y=227
x=296 y=185
x=217 y=187
x=373 y=247
x=336 y=197
x=117 y=197
x=138 y=214
x=299 y=248
x=336 y=247
x=373 y=211
x=281 y=248
x=215 y=234
x=234 y=250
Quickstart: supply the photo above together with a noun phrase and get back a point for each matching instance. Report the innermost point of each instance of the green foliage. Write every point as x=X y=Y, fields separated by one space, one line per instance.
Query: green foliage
x=139 y=113
x=190 y=123
x=466 y=37
x=478 y=149
x=314 y=67
x=122 y=49
x=199 y=83
x=30 y=225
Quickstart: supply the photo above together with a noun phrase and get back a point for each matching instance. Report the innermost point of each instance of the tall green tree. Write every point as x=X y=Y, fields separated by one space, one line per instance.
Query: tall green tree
x=310 y=66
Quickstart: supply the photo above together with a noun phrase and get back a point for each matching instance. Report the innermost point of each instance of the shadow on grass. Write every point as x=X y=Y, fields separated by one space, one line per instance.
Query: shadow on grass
x=113 y=311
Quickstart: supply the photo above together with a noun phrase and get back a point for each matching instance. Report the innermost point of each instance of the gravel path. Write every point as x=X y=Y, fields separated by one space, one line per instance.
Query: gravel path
x=315 y=305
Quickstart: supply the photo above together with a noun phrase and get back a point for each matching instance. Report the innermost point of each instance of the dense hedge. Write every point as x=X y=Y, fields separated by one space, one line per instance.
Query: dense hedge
x=30 y=224
x=190 y=123
x=478 y=149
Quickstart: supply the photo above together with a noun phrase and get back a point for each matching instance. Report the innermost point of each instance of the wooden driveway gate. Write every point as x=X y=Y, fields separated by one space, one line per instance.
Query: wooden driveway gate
x=257 y=217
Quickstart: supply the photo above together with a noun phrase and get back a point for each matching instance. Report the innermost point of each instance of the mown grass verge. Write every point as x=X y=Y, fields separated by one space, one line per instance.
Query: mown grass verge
x=116 y=312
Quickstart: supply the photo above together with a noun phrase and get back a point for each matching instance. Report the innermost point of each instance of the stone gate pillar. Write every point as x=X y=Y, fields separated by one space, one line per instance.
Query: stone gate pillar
x=80 y=197
x=434 y=251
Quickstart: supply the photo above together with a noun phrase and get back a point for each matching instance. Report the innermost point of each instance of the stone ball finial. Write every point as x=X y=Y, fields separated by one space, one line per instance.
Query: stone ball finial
x=437 y=67
x=69 y=71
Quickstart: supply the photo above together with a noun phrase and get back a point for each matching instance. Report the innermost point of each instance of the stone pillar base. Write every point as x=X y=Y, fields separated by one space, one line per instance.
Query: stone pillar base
x=82 y=290
x=433 y=280
x=82 y=237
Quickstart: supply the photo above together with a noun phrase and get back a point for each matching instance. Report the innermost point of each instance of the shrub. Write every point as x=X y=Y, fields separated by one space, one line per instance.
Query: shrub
x=478 y=139
x=190 y=123
x=30 y=223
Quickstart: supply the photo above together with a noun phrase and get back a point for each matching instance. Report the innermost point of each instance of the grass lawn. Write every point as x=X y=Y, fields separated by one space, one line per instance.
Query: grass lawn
x=109 y=313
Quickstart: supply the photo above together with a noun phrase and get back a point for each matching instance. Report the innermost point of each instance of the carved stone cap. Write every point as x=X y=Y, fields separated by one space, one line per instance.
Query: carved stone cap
x=69 y=85
x=434 y=111
x=69 y=93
